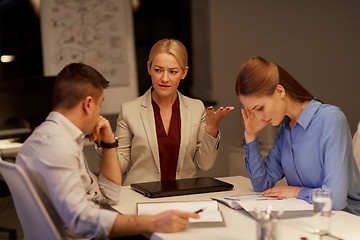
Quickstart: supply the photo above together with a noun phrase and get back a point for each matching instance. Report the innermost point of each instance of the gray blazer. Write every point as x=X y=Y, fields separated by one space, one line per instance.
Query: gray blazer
x=138 y=148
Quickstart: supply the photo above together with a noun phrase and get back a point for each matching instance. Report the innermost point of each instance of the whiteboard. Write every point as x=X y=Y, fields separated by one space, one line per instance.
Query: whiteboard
x=95 y=32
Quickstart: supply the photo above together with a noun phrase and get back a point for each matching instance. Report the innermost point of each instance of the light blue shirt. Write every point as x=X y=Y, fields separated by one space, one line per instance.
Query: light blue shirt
x=315 y=153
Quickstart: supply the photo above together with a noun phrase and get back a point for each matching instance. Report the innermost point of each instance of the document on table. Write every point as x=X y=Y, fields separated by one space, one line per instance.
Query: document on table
x=209 y=210
x=252 y=202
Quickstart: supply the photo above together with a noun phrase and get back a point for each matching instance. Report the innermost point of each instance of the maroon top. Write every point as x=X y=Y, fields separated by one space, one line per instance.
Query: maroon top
x=169 y=145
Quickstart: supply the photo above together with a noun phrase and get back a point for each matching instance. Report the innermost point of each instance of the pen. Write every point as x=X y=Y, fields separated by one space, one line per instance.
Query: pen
x=199 y=211
x=231 y=199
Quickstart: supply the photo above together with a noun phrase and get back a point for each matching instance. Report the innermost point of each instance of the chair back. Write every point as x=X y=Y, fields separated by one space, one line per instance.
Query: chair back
x=356 y=147
x=35 y=220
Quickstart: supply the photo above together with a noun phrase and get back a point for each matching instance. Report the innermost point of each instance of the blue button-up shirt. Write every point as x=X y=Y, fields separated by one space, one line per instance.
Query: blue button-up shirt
x=315 y=153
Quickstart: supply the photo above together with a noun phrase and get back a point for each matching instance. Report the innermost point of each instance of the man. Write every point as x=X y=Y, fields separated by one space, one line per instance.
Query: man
x=54 y=160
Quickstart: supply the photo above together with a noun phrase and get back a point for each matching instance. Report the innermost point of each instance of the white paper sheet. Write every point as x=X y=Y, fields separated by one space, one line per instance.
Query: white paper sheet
x=210 y=209
x=258 y=202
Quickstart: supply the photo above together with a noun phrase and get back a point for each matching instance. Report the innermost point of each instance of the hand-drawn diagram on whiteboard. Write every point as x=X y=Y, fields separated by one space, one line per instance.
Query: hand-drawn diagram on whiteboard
x=88 y=31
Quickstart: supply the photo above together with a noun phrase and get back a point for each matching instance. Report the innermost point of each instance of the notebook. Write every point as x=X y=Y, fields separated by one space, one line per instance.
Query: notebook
x=210 y=215
x=181 y=187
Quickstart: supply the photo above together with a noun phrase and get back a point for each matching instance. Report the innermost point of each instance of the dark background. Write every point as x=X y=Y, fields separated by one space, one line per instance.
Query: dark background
x=25 y=95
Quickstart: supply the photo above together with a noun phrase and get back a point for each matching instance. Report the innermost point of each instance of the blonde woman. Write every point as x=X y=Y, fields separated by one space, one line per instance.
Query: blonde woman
x=164 y=135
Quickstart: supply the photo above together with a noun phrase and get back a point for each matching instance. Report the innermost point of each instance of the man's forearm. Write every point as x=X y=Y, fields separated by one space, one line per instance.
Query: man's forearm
x=126 y=225
x=110 y=166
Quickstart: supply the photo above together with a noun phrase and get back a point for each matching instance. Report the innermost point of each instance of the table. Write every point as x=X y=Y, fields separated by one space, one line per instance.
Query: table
x=239 y=223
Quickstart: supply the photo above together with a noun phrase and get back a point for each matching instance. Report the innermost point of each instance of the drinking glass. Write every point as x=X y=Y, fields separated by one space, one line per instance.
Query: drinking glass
x=322 y=210
x=267 y=229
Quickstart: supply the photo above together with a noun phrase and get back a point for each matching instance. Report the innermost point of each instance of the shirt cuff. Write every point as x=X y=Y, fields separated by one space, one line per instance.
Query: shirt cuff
x=253 y=145
x=110 y=189
x=107 y=219
x=253 y=157
x=305 y=194
x=217 y=137
x=213 y=141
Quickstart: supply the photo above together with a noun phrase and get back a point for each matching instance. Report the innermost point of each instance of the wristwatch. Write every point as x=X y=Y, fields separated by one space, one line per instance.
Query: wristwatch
x=110 y=145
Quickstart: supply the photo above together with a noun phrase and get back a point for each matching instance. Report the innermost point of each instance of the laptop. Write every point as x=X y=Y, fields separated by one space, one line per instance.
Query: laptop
x=181 y=187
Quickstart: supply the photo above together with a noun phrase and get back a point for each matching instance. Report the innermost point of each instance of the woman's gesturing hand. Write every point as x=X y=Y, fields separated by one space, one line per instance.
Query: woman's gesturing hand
x=213 y=119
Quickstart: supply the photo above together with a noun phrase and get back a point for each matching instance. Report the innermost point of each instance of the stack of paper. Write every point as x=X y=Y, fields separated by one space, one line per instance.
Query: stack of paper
x=257 y=202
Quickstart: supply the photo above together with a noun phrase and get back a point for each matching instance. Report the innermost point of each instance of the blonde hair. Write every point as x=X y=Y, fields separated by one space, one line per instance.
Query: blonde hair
x=171 y=46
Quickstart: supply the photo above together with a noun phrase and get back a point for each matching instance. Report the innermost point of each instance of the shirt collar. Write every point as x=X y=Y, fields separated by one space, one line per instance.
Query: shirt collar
x=175 y=105
x=308 y=113
x=147 y=99
x=71 y=128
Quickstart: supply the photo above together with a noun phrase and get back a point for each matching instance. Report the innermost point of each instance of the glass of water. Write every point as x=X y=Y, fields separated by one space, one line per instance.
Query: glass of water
x=322 y=210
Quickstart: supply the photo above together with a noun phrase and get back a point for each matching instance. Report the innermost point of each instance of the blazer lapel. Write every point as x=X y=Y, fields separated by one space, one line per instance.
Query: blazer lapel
x=148 y=120
x=185 y=115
